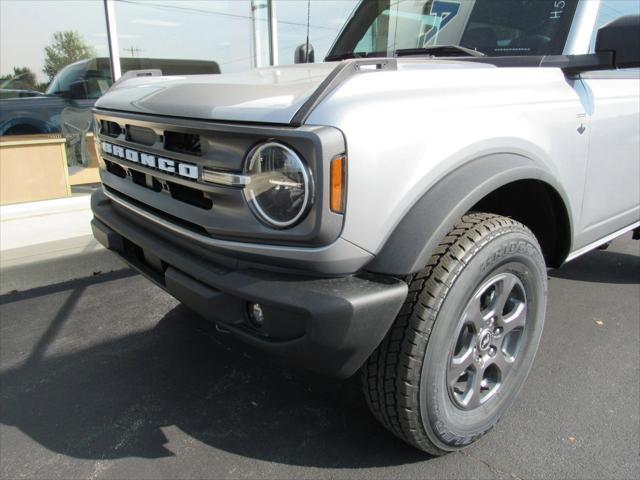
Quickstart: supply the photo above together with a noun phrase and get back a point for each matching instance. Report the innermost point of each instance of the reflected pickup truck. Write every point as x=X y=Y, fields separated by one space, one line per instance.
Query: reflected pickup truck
x=392 y=211
x=77 y=86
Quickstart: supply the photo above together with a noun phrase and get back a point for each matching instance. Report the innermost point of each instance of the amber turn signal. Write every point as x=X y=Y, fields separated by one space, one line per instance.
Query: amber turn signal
x=338 y=200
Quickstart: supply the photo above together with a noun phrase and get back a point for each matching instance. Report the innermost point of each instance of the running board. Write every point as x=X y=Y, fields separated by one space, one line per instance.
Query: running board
x=592 y=246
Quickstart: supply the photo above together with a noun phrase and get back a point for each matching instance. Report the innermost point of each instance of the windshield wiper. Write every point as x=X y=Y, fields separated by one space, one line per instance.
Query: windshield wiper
x=440 y=51
x=346 y=55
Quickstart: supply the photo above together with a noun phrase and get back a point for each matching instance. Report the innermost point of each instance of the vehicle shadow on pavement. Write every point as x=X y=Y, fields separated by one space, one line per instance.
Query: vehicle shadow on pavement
x=601 y=266
x=126 y=397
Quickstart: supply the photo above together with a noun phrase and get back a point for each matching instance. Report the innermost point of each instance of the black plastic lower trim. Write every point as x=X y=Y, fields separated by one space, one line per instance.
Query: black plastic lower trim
x=329 y=325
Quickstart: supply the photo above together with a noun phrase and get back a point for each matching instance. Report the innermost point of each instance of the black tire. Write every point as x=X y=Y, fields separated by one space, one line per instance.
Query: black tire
x=407 y=380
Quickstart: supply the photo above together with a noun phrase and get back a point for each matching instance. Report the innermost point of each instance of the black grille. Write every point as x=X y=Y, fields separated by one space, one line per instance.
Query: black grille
x=180 y=192
x=145 y=180
x=190 y=195
x=115 y=169
x=111 y=129
x=188 y=143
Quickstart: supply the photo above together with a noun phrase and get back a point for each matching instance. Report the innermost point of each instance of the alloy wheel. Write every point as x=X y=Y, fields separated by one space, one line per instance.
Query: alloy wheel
x=488 y=341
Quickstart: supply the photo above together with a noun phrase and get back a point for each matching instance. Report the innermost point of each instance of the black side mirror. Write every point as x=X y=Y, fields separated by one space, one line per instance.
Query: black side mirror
x=78 y=90
x=621 y=38
x=302 y=55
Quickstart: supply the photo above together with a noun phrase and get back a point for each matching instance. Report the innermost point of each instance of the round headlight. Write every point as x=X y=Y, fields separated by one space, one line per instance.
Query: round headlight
x=280 y=187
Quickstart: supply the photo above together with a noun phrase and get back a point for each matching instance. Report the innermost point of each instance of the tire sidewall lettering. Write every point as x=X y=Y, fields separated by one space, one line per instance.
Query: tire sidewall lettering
x=499 y=250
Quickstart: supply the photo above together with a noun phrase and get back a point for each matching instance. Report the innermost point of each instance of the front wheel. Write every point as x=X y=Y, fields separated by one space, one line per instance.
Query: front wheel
x=462 y=345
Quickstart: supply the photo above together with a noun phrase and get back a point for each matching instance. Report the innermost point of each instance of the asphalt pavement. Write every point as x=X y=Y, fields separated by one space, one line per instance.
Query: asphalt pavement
x=109 y=377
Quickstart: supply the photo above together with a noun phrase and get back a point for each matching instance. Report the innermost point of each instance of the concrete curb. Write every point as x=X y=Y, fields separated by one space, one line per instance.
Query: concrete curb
x=44 y=243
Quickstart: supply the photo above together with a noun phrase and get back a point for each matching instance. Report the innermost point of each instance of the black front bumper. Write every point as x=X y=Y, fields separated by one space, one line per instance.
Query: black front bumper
x=330 y=325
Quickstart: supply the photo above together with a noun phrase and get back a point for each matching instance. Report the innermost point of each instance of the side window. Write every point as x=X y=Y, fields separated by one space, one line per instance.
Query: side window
x=610 y=10
x=522 y=27
x=98 y=82
x=493 y=27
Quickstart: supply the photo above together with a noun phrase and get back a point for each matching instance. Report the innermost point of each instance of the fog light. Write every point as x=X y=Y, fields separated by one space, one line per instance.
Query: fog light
x=256 y=315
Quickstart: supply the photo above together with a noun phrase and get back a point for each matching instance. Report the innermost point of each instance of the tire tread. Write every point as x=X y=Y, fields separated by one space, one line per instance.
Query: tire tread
x=391 y=376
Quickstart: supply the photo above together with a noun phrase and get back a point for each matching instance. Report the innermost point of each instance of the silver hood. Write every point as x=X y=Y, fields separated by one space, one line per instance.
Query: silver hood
x=269 y=95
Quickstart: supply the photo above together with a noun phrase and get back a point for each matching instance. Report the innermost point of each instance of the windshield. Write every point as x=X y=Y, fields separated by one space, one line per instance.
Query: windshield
x=66 y=77
x=493 y=27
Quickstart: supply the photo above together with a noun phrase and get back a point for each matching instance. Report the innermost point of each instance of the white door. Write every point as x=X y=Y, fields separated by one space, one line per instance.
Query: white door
x=612 y=187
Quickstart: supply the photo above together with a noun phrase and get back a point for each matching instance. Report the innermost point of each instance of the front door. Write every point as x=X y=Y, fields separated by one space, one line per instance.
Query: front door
x=612 y=187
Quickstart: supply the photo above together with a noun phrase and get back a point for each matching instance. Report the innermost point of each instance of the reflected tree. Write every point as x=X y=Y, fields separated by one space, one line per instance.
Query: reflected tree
x=66 y=47
x=22 y=78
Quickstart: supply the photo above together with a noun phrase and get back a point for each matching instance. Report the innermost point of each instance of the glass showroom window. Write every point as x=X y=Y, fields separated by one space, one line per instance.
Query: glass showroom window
x=48 y=84
x=610 y=10
x=182 y=37
x=326 y=19
x=55 y=63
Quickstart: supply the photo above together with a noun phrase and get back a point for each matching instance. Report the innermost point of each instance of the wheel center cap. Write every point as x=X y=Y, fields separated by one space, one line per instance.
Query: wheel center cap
x=484 y=340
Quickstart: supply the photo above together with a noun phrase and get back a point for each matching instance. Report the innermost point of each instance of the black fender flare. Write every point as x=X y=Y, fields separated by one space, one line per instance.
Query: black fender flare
x=412 y=242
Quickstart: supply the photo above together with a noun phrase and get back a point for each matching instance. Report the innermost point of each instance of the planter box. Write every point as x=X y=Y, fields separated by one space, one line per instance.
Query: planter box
x=33 y=167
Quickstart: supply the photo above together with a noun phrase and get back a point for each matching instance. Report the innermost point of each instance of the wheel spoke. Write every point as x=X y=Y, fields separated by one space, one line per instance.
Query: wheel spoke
x=515 y=319
x=460 y=364
x=473 y=314
x=504 y=364
x=506 y=286
x=474 y=395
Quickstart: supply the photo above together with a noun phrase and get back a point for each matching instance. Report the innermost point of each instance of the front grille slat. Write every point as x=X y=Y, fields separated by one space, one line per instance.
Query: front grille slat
x=159 y=213
x=141 y=135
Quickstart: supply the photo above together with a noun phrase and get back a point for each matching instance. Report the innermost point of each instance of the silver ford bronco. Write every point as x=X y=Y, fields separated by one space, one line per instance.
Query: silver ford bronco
x=392 y=211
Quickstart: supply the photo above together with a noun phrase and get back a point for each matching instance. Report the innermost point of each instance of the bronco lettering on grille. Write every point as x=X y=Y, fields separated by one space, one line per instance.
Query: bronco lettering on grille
x=182 y=169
